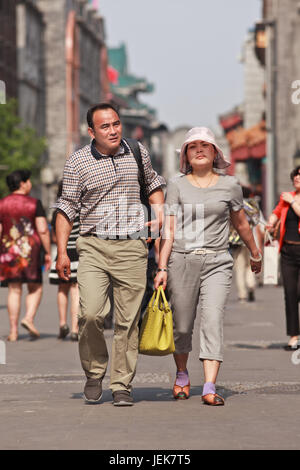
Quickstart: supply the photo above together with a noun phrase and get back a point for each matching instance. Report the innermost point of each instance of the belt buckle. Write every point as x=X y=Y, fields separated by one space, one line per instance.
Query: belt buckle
x=201 y=251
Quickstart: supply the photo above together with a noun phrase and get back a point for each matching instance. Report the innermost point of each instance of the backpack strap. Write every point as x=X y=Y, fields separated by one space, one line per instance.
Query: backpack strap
x=135 y=148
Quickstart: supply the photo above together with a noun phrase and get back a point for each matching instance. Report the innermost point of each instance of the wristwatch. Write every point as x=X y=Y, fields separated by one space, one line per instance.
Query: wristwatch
x=162 y=269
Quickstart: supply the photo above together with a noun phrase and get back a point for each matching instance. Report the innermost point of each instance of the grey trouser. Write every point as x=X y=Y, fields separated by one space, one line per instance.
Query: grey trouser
x=205 y=281
x=123 y=263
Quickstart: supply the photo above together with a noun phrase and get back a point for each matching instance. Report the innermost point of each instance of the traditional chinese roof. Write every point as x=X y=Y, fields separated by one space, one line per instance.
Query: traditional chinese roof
x=246 y=143
x=125 y=85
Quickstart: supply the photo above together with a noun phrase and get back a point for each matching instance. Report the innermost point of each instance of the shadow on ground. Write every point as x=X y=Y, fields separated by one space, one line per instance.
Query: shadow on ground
x=156 y=394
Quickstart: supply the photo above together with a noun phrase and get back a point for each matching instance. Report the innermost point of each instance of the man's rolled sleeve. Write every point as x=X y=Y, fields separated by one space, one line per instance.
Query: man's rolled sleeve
x=68 y=203
x=153 y=180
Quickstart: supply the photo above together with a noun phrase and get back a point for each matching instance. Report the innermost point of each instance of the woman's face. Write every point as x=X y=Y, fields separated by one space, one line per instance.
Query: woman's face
x=26 y=186
x=296 y=181
x=200 y=154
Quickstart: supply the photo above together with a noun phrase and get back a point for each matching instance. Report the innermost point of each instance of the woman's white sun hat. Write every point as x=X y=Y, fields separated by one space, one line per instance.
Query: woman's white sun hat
x=206 y=135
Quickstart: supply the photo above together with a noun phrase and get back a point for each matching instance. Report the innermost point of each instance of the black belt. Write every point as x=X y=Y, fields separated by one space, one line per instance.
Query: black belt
x=288 y=242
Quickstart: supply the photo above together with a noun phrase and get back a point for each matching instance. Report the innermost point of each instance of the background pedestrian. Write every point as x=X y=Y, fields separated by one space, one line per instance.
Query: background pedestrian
x=67 y=289
x=244 y=276
x=288 y=212
x=24 y=233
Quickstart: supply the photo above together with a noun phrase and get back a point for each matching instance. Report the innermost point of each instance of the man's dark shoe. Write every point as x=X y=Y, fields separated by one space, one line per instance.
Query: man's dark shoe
x=93 y=390
x=122 y=398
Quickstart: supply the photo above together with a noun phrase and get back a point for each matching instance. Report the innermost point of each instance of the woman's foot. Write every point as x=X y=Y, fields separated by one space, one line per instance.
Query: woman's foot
x=213 y=399
x=74 y=336
x=12 y=337
x=63 y=331
x=293 y=344
x=181 y=388
x=209 y=395
x=29 y=326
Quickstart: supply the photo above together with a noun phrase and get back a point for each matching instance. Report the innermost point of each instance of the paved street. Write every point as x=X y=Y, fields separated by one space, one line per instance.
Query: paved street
x=41 y=405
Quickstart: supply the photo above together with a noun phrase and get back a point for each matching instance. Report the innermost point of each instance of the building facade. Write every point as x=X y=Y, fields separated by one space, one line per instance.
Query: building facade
x=30 y=29
x=74 y=58
x=8 y=47
x=282 y=20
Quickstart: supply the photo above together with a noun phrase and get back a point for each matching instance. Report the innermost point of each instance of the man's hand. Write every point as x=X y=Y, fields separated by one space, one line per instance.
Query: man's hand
x=63 y=267
x=255 y=266
x=154 y=229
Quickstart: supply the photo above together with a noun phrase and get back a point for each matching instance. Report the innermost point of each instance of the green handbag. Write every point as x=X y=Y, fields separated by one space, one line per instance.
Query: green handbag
x=156 y=334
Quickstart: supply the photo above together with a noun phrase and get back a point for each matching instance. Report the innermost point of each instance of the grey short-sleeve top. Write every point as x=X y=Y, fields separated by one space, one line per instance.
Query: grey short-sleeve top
x=203 y=214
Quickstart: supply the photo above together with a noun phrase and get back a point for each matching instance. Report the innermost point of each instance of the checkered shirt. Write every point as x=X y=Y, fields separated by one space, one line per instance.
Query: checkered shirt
x=105 y=190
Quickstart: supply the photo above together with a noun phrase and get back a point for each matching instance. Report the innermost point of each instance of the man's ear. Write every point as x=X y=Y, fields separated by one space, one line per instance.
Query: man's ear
x=91 y=132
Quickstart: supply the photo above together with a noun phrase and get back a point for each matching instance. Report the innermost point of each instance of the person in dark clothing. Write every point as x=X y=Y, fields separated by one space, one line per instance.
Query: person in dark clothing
x=288 y=212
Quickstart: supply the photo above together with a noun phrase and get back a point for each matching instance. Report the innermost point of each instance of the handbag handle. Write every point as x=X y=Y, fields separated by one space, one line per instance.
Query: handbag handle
x=161 y=293
x=152 y=300
x=268 y=238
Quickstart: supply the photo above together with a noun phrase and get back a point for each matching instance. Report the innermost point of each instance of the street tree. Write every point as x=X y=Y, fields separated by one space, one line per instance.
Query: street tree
x=20 y=146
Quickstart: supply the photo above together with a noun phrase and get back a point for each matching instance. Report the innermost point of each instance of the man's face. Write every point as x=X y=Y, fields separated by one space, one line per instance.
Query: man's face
x=107 y=131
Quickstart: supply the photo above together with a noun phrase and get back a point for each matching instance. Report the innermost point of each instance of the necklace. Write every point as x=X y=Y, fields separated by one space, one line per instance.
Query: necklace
x=202 y=187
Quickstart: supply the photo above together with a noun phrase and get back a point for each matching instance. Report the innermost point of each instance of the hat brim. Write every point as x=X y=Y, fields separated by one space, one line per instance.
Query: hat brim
x=220 y=160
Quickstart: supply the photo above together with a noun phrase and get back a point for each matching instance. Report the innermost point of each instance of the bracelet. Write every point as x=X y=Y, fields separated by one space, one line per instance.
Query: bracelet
x=162 y=269
x=256 y=260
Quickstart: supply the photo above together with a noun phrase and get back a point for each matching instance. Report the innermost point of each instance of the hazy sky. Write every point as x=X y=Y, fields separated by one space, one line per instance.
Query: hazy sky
x=189 y=50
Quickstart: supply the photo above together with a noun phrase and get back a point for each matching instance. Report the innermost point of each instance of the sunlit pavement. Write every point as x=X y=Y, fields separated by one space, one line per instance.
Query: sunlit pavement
x=41 y=403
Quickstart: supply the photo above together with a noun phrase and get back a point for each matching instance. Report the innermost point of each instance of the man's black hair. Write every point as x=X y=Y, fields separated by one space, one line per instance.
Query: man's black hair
x=14 y=179
x=97 y=107
x=295 y=172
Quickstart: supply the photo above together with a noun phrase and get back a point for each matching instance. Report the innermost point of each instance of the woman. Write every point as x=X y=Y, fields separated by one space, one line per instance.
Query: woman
x=23 y=229
x=70 y=287
x=288 y=211
x=194 y=258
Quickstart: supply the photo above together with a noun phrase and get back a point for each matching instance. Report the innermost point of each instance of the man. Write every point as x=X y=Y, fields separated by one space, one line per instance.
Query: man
x=101 y=182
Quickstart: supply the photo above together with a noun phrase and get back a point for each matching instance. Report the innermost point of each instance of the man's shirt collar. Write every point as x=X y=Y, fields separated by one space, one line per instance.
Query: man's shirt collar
x=123 y=149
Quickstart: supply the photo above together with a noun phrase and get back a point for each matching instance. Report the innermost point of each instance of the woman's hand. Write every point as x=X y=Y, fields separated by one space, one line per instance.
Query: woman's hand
x=269 y=227
x=287 y=197
x=47 y=263
x=161 y=278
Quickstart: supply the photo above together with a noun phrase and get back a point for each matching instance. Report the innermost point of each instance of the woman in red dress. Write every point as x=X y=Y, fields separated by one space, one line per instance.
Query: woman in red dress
x=23 y=231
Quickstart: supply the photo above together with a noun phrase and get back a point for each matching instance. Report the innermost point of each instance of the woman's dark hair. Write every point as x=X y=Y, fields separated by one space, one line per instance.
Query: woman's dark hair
x=97 y=107
x=14 y=179
x=295 y=172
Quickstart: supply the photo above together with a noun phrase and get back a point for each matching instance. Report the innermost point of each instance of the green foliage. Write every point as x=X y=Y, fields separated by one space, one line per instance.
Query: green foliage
x=20 y=147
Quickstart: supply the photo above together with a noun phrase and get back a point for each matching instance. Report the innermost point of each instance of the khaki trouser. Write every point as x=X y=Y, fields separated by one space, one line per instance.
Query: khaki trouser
x=245 y=278
x=122 y=263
